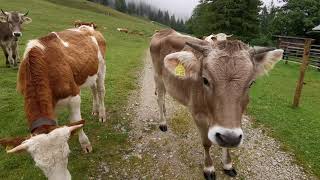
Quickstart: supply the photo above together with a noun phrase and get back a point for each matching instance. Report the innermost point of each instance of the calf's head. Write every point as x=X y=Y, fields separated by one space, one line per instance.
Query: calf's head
x=14 y=20
x=49 y=151
x=220 y=76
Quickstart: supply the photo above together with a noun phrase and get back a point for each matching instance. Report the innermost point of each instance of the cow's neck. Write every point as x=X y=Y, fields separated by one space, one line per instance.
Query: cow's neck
x=39 y=102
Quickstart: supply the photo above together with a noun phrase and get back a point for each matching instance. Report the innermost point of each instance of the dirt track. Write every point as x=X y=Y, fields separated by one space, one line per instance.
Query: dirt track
x=178 y=154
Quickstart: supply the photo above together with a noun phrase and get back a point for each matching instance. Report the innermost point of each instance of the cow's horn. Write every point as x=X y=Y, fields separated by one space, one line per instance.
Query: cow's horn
x=201 y=48
x=4 y=13
x=254 y=51
x=26 y=13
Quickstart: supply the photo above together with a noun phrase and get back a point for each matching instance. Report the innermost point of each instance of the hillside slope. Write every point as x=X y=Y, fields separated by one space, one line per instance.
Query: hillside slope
x=124 y=54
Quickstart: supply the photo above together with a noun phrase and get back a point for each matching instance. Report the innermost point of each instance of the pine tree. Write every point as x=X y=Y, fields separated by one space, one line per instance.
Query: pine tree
x=238 y=17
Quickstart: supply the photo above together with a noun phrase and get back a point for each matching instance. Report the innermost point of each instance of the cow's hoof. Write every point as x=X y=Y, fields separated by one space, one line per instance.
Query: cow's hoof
x=163 y=127
x=232 y=172
x=102 y=119
x=87 y=148
x=209 y=175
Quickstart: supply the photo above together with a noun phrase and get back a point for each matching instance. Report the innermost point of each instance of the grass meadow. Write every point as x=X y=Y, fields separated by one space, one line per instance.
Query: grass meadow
x=297 y=128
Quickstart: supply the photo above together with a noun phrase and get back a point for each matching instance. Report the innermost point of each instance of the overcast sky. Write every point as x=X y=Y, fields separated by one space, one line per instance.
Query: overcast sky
x=183 y=8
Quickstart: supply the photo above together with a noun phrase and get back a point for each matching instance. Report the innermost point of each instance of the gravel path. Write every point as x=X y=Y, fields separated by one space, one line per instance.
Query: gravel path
x=178 y=154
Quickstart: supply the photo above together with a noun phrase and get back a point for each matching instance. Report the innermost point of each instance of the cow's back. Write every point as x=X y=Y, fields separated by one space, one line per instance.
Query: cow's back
x=71 y=57
x=165 y=42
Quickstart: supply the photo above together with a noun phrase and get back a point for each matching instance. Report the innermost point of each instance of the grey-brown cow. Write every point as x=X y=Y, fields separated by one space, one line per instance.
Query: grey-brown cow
x=10 y=31
x=214 y=86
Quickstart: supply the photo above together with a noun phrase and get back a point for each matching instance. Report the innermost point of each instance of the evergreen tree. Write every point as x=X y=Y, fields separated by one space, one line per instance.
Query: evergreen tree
x=297 y=17
x=121 y=5
x=238 y=17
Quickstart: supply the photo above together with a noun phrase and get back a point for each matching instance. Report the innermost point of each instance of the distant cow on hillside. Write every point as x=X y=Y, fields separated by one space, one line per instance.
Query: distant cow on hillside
x=54 y=69
x=79 y=23
x=10 y=31
x=123 y=30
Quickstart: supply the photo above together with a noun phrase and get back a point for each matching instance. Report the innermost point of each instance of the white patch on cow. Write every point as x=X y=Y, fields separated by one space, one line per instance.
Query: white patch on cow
x=74 y=29
x=91 y=80
x=218 y=129
x=85 y=27
x=50 y=153
x=209 y=169
x=65 y=44
x=227 y=166
x=32 y=44
x=100 y=57
x=94 y=40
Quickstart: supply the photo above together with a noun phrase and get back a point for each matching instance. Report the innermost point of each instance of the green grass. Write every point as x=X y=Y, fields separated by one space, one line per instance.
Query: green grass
x=124 y=54
x=297 y=128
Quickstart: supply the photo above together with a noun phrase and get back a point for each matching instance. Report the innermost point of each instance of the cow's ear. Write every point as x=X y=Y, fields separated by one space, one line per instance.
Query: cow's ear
x=182 y=64
x=265 y=61
x=3 y=18
x=26 y=20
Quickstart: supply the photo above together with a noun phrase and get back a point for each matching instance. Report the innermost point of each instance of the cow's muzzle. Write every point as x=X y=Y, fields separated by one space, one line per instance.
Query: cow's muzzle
x=17 y=34
x=226 y=137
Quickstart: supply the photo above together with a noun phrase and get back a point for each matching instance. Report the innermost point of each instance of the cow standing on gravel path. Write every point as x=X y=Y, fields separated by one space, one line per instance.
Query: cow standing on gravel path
x=10 y=31
x=213 y=81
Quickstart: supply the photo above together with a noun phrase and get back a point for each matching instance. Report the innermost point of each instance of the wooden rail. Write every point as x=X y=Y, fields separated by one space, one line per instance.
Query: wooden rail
x=294 y=51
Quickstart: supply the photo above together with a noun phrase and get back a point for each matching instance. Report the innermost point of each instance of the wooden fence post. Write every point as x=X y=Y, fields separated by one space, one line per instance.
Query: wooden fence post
x=303 y=67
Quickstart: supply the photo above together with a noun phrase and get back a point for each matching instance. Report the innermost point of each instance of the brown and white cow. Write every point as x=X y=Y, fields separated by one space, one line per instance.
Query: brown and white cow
x=54 y=69
x=214 y=86
x=124 y=30
x=10 y=31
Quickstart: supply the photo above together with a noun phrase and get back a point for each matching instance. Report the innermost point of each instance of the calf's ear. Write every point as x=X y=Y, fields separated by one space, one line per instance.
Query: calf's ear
x=182 y=64
x=265 y=61
x=26 y=20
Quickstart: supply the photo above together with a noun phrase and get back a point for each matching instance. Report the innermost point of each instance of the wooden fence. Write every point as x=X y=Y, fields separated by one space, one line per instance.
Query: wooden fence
x=294 y=51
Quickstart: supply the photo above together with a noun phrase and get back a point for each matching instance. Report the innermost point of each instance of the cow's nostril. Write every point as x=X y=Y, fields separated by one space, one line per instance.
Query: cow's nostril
x=219 y=136
x=17 y=34
x=240 y=137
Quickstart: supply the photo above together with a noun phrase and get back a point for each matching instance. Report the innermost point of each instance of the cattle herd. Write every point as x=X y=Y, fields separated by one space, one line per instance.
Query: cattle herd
x=215 y=75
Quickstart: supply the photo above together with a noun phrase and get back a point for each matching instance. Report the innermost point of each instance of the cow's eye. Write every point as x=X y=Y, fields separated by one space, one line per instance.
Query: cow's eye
x=252 y=83
x=205 y=81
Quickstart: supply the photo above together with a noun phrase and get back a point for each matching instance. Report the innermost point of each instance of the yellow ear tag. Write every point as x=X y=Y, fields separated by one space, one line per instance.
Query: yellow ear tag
x=180 y=71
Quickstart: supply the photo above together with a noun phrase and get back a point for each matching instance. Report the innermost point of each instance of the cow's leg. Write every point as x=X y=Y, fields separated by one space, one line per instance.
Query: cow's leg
x=227 y=163
x=161 y=93
x=15 y=53
x=208 y=170
x=95 y=100
x=10 y=58
x=101 y=91
x=75 y=115
x=5 y=54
